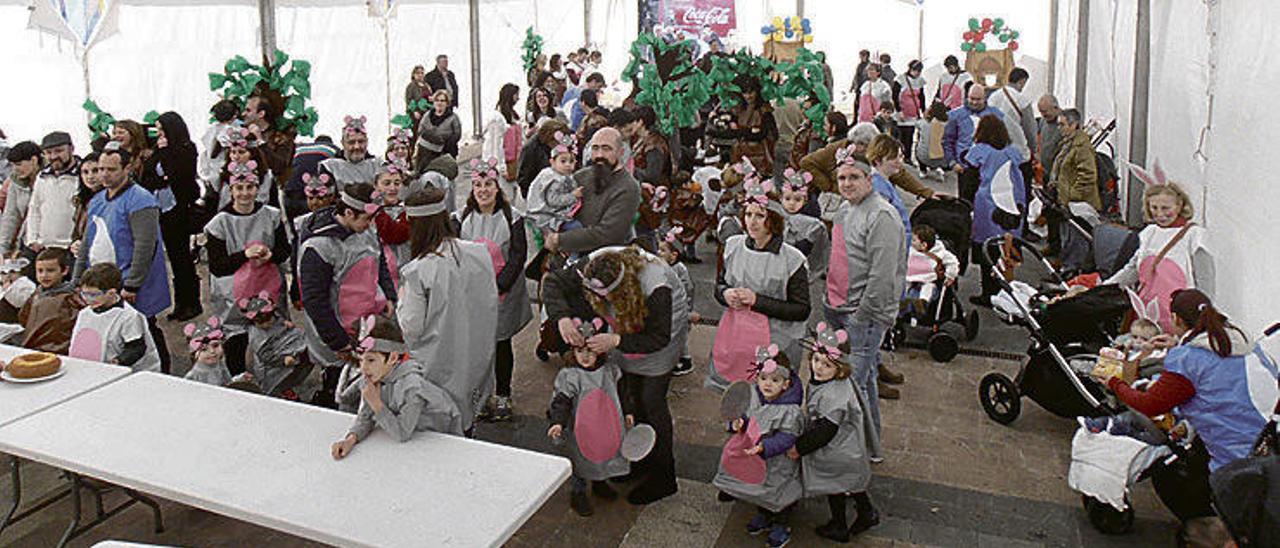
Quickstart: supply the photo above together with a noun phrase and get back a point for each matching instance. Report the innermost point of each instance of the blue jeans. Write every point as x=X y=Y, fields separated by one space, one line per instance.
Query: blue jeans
x=864 y=357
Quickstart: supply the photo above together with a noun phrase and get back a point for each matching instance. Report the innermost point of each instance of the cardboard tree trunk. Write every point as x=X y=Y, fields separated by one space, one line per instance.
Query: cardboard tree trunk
x=982 y=65
x=781 y=52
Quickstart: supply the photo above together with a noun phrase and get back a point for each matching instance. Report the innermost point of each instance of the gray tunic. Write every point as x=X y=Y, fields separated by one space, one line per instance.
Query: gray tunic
x=781 y=485
x=495 y=230
x=215 y=374
x=869 y=261
x=411 y=403
x=804 y=228
x=597 y=423
x=238 y=231
x=766 y=274
x=270 y=347
x=843 y=465
x=654 y=275
x=448 y=309
x=355 y=292
x=345 y=172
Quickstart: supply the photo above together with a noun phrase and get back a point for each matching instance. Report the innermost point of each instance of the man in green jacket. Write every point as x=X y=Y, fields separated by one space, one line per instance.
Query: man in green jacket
x=1075 y=170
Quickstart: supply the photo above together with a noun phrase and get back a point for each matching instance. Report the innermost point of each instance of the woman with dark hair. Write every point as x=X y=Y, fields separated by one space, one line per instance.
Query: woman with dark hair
x=1001 y=199
x=642 y=299
x=556 y=69
x=449 y=305
x=753 y=128
x=1217 y=382
x=417 y=89
x=653 y=158
x=170 y=174
x=503 y=137
x=536 y=154
x=133 y=139
x=490 y=220
x=764 y=283
x=539 y=109
x=90 y=184
x=438 y=132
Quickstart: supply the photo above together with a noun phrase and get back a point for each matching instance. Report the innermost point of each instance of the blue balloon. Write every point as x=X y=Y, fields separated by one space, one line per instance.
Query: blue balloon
x=804 y=24
x=788 y=33
x=767 y=29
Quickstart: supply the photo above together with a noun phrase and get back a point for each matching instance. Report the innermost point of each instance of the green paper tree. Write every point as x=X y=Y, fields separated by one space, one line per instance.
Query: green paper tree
x=804 y=79
x=99 y=122
x=726 y=69
x=532 y=47
x=240 y=79
x=667 y=80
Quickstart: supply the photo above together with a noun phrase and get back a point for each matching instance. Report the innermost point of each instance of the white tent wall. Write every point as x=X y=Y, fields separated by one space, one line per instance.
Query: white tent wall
x=614 y=26
x=42 y=75
x=1064 y=87
x=1109 y=95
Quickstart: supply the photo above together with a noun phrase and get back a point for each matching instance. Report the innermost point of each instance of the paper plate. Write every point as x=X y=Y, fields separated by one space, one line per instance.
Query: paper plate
x=736 y=401
x=638 y=442
x=5 y=376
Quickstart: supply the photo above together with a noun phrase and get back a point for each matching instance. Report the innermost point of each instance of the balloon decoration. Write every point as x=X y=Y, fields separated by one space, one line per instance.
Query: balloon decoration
x=789 y=29
x=241 y=79
x=975 y=38
x=532 y=47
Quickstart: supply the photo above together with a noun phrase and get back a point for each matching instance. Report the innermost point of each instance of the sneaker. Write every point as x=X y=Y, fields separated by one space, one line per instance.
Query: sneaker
x=684 y=367
x=833 y=531
x=581 y=504
x=757 y=525
x=864 y=522
x=502 y=409
x=779 y=536
x=603 y=490
x=486 y=413
x=889 y=376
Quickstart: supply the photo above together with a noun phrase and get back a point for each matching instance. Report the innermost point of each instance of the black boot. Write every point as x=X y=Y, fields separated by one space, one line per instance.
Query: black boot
x=868 y=517
x=837 y=529
x=603 y=490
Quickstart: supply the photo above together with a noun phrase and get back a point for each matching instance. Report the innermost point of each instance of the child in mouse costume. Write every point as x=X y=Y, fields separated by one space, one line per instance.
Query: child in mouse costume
x=205 y=341
x=279 y=349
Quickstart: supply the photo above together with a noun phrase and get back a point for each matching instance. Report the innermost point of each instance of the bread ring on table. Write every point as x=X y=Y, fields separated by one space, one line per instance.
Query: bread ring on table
x=33 y=365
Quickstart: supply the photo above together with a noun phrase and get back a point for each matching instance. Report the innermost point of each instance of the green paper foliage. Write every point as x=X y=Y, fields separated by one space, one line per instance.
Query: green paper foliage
x=99 y=122
x=802 y=79
x=668 y=81
x=727 y=68
x=239 y=78
x=532 y=47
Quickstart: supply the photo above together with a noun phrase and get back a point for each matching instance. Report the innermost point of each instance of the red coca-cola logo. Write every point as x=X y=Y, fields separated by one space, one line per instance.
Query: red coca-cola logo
x=711 y=15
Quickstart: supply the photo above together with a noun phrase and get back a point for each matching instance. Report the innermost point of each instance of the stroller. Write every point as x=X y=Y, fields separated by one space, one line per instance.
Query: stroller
x=1090 y=243
x=1066 y=336
x=944 y=318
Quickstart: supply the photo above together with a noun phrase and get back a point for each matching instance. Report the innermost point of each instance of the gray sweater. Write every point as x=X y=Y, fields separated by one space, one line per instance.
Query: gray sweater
x=14 y=215
x=875 y=250
x=609 y=206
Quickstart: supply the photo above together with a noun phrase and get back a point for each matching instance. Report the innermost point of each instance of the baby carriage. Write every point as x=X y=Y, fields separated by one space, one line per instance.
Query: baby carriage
x=943 y=318
x=1066 y=333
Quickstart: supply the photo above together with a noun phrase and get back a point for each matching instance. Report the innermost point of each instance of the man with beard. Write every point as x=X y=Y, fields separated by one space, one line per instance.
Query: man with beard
x=610 y=199
x=355 y=165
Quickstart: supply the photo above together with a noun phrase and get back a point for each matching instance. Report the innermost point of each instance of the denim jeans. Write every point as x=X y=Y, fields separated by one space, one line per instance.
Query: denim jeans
x=864 y=357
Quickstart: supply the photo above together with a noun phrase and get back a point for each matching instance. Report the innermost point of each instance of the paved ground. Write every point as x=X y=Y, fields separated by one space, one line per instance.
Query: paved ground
x=951 y=477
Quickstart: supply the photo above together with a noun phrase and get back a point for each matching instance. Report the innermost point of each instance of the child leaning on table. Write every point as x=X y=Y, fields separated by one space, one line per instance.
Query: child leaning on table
x=585 y=404
x=207 y=356
x=49 y=316
x=395 y=394
x=279 y=348
x=108 y=329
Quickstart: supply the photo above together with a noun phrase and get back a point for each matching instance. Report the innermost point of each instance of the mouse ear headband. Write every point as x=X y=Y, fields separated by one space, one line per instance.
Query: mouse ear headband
x=766 y=362
x=565 y=144
x=369 y=343
x=246 y=172
x=400 y=136
x=256 y=306
x=484 y=169
x=396 y=166
x=199 y=336
x=757 y=192
x=589 y=329
x=746 y=170
x=317 y=186
x=600 y=288
x=672 y=235
x=827 y=341
x=796 y=181
x=237 y=136
x=353 y=125
x=358 y=204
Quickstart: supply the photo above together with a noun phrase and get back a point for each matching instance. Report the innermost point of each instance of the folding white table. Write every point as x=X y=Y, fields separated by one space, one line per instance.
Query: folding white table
x=267 y=461
x=19 y=400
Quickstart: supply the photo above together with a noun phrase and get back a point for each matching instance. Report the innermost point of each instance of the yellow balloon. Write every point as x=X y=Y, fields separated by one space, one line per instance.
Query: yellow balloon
x=808 y=38
x=777 y=22
x=795 y=22
x=779 y=36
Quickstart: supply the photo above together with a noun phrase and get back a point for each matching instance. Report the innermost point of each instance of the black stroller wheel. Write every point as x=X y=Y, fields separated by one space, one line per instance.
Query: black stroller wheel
x=1105 y=518
x=1000 y=398
x=971 y=324
x=943 y=347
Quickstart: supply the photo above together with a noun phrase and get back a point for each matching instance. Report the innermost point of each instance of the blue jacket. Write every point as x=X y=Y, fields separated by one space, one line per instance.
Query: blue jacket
x=958 y=135
x=1227 y=408
x=886 y=189
x=1001 y=185
x=777 y=443
x=109 y=234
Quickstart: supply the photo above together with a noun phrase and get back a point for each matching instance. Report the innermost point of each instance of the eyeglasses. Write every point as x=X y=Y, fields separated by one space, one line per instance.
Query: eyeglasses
x=89 y=296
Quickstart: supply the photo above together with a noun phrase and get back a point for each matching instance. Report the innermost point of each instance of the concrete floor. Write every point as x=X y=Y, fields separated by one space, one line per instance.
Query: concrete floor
x=951 y=477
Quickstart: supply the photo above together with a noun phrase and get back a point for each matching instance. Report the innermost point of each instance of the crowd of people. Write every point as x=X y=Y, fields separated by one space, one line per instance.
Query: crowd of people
x=366 y=270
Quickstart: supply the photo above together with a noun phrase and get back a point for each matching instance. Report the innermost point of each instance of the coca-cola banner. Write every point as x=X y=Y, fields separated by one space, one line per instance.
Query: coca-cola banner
x=693 y=15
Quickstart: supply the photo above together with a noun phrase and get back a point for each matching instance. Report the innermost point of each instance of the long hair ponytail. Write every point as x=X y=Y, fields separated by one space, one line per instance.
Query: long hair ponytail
x=1195 y=309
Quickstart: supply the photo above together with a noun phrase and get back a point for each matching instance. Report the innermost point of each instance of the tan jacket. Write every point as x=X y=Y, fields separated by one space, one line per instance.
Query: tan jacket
x=822 y=165
x=1075 y=171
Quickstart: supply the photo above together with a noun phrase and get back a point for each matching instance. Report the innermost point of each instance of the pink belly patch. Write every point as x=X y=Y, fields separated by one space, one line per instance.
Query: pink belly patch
x=749 y=469
x=86 y=345
x=597 y=427
x=739 y=333
x=837 y=268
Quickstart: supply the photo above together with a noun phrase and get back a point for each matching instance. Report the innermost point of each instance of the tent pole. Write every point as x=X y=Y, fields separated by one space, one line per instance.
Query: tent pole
x=386 y=62
x=1140 y=113
x=1082 y=54
x=475 y=67
x=1053 y=47
x=586 y=23
x=267 y=28
x=920 y=33
x=800 y=8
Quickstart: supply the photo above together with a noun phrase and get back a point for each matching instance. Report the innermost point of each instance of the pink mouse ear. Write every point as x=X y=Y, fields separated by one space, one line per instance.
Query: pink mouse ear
x=822 y=326
x=189 y=329
x=599 y=323
x=243 y=302
x=214 y=321
x=264 y=295
x=306 y=178
x=773 y=349
x=577 y=322
x=842 y=336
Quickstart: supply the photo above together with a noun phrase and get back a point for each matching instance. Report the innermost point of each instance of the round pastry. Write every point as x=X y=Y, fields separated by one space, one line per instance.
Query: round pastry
x=33 y=365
